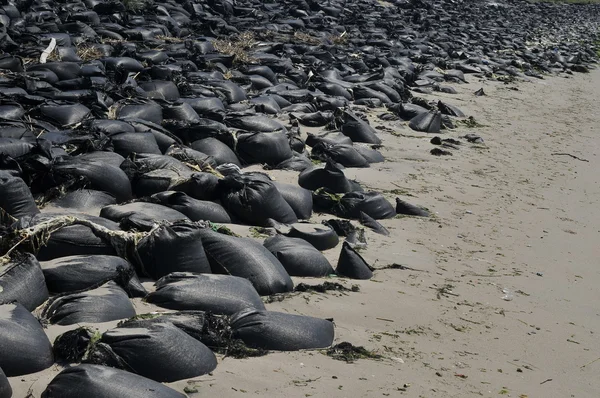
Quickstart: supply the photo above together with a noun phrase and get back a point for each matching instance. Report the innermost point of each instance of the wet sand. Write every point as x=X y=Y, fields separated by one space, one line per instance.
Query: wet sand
x=501 y=297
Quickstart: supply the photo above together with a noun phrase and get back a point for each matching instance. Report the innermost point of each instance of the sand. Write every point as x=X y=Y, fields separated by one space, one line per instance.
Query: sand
x=501 y=297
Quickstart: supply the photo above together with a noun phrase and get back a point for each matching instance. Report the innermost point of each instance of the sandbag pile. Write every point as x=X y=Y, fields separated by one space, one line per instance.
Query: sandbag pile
x=125 y=131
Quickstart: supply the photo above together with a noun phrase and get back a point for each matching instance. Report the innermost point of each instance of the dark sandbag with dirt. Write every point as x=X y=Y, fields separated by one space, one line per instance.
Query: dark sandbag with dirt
x=108 y=302
x=24 y=345
x=352 y=265
x=155 y=181
x=299 y=199
x=98 y=381
x=344 y=154
x=403 y=207
x=254 y=200
x=5 y=389
x=331 y=177
x=217 y=294
x=139 y=142
x=322 y=237
x=101 y=176
x=373 y=224
x=84 y=200
x=150 y=213
x=22 y=280
x=246 y=258
x=371 y=154
x=74 y=239
x=430 y=122
x=448 y=109
x=280 y=331
x=328 y=138
x=298 y=257
x=75 y=273
x=371 y=203
x=201 y=186
x=191 y=156
x=172 y=248
x=161 y=352
x=359 y=130
x=15 y=196
x=263 y=148
x=194 y=209
x=220 y=152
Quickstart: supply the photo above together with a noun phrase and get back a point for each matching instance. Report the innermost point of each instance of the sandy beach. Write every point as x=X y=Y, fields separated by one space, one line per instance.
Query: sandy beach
x=499 y=290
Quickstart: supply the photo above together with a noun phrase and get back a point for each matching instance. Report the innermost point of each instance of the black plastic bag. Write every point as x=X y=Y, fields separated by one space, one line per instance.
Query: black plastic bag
x=352 y=265
x=248 y=259
x=344 y=154
x=201 y=186
x=299 y=199
x=371 y=203
x=161 y=352
x=15 y=196
x=141 y=212
x=194 y=209
x=84 y=200
x=24 y=346
x=430 y=122
x=298 y=257
x=360 y=131
x=371 y=223
x=322 y=237
x=263 y=148
x=106 y=303
x=172 y=248
x=98 y=381
x=5 y=389
x=330 y=177
x=75 y=273
x=74 y=239
x=254 y=200
x=217 y=294
x=282 y=332
x=22 y=280
x=220 y=152
x=403 y=207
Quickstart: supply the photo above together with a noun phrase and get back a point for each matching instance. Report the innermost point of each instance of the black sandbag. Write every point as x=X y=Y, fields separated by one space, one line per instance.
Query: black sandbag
x=360 y=131
x=174 y=248
x=403 y=207
x=370 y=154
x=228 y=91
x=263 y=148
x=166 y=89
x=297 y=162
x=24 y=346
x=106 y=303
x=74 y=239
x=299 y=199
x=191 y=156
x=202 y=186
x=314 y=119
x=248 y=259
x=217 y=150
x=22 y=280
x=63 y=114
x=322 y=237
x=298 y=257
x=160 y=351
x=102 y=176
x=254 y=200
x=15 y=147
x=430 y=122
x=140 y=211
x=344 y=154
x=328 y=138
x=266 y=104
x=84 y=200
x=15 y=196
x=448 y=109
x=145 y=110
x=371 y=203
x=110 y=158
x=217 y=294
x=5 y=389
x=280 y=331
x=373 y=224
x=352 y=265
x=98 y=381
x=330 y=177
x=194 y=209
x=127 y=143
x=75 y=273
x=155 y=181
x=210 y=107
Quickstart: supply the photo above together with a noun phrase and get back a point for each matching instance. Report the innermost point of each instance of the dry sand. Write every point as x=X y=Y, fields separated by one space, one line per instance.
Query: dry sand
x=509 y=215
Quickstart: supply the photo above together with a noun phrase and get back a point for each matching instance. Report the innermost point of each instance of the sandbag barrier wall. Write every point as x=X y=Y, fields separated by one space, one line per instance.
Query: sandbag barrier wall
x=125 y=114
